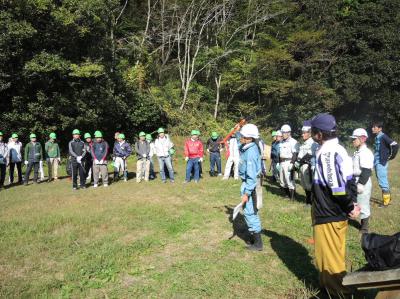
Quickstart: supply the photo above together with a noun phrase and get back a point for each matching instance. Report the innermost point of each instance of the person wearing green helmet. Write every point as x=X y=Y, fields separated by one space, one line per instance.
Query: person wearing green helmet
x=142 y=149
x=77 y=151
x=276 y=139
x=15 y=157
x=33 y=156
x=3 y=160
x=53 y=157
x=149 y=139
x=122 y=150
x=214 y=148
x=100 y=151
x=87 y=161
x=194 y=152
x=162 y=147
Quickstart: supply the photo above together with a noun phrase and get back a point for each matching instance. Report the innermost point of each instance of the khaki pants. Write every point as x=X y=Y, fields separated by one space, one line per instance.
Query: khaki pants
x=52 y=166
x=142 y=170
x=97 y=169
x=330 y=253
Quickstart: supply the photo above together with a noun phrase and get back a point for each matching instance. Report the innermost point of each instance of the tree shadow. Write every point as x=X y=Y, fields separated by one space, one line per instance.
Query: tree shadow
x=295 y=256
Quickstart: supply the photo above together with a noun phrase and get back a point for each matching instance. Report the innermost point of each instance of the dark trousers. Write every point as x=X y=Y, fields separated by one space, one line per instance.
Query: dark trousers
x=88 y=165
x=19 y=170
x=215 y=159
x=77 y=169
x=3 y=168
x=35 y=166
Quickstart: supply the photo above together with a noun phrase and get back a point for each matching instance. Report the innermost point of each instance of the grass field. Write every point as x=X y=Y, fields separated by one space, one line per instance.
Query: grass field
x=161 y=240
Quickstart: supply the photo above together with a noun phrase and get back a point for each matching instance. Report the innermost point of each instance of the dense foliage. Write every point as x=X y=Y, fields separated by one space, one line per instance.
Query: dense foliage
x=133 y=64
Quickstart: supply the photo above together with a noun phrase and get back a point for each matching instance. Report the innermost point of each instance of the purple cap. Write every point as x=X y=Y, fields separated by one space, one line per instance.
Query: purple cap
x=324 y=122
x=307 y=123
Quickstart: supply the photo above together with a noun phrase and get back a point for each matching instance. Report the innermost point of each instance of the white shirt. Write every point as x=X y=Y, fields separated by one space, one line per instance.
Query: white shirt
x=362 y=158
x=162 y=146
x=152 y=149
x=233 y=149
x=306 y=148
x=287 y=148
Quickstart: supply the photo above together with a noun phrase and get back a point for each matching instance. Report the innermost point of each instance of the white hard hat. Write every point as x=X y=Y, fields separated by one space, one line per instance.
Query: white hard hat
x=279 y=133
x=286 y=129
x=360 y=132
x=249 y=130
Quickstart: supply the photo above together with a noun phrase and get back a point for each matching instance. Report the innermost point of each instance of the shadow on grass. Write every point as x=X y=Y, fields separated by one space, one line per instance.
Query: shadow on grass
x=295 y=256
x=275 y=189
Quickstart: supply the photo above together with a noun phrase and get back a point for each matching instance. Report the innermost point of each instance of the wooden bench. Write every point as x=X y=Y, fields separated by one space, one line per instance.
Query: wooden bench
x=388 y=282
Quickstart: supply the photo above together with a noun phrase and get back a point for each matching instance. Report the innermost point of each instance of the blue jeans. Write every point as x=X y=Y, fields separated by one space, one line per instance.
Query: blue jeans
x=193 y=163
x=166 y=161
x=381 y=174
x=215 y=158
x=251 y=216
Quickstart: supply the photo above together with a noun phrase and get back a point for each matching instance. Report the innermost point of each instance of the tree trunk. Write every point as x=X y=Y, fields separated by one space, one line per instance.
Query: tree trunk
x=218 y=84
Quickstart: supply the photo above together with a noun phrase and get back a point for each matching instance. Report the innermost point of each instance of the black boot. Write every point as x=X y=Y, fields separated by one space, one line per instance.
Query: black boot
x=258 y=244
x=250 y=239
x=292 y=194
x=116 y=176
x=364 y=225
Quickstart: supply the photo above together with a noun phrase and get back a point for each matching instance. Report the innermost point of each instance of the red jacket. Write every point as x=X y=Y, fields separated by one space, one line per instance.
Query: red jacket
x=194 y=149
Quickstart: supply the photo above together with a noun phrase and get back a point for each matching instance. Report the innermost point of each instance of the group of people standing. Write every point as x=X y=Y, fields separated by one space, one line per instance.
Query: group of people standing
x=337 y=186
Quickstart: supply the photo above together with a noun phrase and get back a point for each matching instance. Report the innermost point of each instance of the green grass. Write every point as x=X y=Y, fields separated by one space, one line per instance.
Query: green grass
x=160 y=240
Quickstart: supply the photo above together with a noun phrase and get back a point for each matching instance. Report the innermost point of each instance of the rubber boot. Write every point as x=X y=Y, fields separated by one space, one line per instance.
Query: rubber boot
x=364 y=225
x=125 y=175
x=292 y=194
x=250 y=240
x=287 y=192
x=115 y=177
x=258 y=244
x=386 y=198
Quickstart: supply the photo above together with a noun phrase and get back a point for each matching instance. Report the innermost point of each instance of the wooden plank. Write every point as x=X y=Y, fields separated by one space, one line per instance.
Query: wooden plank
x=359 y=278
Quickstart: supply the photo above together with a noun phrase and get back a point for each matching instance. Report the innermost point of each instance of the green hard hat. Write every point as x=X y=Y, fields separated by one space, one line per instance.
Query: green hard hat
x=87 y=135
x=32 y=135
x=76 y=132
x=274 y=133
x=172 y=151
x=14 y=135
x=160 y=130
x=1 y=133
x=214 y=135
x=98 y=134
x=121 y=135
x=149 y=137
x=53 y=135
x=142 y=134
x=195 y=132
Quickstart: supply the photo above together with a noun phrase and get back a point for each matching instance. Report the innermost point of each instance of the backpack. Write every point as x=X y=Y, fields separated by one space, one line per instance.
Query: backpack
x=381 y=252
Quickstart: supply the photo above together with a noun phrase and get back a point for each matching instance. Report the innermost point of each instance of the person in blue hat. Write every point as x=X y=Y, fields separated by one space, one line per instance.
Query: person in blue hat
x=305 y=163
x=335 y=200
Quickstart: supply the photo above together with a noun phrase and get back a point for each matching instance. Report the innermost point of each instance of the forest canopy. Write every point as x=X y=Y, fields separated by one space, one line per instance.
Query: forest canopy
x=135 y=65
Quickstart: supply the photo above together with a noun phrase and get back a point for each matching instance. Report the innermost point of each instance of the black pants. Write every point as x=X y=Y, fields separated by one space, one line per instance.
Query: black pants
x=77 y=169
x=19 y=170
x=2 y=174
x=88 y=165
x=35 y=166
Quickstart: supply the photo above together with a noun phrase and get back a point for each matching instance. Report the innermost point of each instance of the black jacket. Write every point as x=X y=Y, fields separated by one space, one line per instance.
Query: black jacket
x=76 y=148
